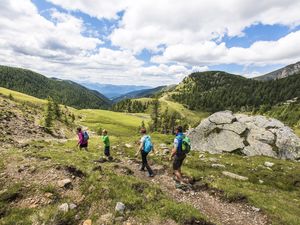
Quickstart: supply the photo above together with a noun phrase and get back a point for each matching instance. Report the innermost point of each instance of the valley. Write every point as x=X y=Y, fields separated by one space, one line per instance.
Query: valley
x=33 y=166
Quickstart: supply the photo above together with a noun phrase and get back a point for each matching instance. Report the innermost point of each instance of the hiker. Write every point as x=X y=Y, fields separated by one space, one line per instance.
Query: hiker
x=106 y=142
x=144 y=148
x=181 y=148
x=83 y=138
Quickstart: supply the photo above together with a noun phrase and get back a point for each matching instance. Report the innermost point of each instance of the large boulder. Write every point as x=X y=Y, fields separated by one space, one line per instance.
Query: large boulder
x=250 y=135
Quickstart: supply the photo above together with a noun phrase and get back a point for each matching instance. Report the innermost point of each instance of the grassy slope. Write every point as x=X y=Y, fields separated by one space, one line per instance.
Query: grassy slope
x=148 y=204
x=21 y=96
x=278 y=196
x=193 y=117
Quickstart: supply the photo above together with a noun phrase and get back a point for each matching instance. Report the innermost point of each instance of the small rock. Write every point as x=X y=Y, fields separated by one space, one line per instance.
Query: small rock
x=268 y=164
x=128 y=145
x=217 y=165
x=87 y=222
x=261 y=181
x=255 y=209
x=48 y=195
x=77 y=217
x=64 y=207
x=234 y=176
x=120 y=207
x=66 y=183
x=72 y=206
x=201 y=156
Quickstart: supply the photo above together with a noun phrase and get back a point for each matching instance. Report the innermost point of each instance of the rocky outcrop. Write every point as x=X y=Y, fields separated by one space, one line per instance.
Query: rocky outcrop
x=249 y=135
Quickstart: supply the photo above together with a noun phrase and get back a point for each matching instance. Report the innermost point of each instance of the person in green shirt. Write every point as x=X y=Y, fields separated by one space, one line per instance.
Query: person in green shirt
x=105 y=140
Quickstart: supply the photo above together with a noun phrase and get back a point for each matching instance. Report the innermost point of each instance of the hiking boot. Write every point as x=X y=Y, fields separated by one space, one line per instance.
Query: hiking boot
x=151 y=175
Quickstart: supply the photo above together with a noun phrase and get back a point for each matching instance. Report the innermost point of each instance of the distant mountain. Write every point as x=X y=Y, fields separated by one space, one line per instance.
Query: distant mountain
x=63 y=91
x=216 y=90
x=113 y=91
x=281 y=73
x=141 y=93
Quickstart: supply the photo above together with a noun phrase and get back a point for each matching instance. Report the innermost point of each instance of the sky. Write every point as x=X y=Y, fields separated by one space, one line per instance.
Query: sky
x=148 y=42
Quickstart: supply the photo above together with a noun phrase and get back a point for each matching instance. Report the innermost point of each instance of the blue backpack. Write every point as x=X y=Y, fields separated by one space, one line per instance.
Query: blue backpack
x=85 y=136
x=148 y=146
x=184 y=144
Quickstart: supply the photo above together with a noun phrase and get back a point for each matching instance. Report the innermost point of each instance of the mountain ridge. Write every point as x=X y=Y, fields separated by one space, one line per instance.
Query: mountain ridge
x=286 y=71
x=63 y=91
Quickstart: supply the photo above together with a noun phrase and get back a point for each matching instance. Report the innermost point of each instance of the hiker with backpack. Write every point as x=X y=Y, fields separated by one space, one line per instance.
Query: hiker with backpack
x=83 y=138
x=106 y=142
x=181 y=149
x=145 y=148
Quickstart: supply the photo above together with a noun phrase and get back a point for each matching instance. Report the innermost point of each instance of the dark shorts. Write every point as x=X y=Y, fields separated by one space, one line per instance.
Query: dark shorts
x=83 y=145
x=106 y=151
x=178 y=160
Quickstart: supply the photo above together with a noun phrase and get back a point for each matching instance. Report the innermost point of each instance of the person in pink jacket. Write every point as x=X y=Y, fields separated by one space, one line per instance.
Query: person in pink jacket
x=82 y=143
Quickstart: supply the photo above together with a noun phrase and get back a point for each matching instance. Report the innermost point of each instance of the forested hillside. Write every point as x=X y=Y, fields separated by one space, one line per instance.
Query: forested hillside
x=64 y=92
x=213 y=91
x=142 y=93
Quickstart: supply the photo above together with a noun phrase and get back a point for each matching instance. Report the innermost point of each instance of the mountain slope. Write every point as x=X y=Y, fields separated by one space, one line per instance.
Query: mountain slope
x=64 y=92
x=215 y=90
x=113 y=91
x=141 y=93
x=281 y=73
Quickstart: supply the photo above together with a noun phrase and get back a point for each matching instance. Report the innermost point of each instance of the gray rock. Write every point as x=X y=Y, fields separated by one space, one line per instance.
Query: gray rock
x=251 y=135
x=236 y=127
x=72 y=206
x=288 y=143
x=234 y=176
x=120 y=207
x=224 y=117
x=218 y=165
x=128 y=145
x=224 y=141
x=268 y=164
x=63 y=207
x=66 y=183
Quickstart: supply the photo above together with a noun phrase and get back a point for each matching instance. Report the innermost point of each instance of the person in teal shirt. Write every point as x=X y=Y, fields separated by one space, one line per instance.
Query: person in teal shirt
x=105 y=140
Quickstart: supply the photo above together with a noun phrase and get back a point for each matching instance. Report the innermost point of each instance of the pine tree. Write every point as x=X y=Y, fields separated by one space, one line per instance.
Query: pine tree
x=49 y=114
x=73 y=117
x=155 y=115
x=56 y=110
x=10 y=96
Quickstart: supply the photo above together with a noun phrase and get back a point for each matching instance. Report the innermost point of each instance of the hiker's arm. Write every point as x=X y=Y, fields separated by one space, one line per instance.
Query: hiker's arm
x=139 y=149
x=80 y=139
x=173 y=153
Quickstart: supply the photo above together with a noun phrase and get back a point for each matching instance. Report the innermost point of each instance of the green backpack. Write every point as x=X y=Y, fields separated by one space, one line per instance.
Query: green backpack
x=186 y=144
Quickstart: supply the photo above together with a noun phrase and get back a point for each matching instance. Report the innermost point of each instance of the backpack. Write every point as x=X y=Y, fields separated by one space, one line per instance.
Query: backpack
x=148 y=146
x=85 y=136
x=184 y=144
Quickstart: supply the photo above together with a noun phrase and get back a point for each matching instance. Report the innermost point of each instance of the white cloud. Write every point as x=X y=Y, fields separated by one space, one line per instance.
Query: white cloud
x=149 y=24
x=283 y=51
x=95 y=8
x=182 y=36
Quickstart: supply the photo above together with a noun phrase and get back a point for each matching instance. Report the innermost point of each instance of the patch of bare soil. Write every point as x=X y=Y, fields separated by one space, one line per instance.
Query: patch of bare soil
x=41 y=181
x=213 y=206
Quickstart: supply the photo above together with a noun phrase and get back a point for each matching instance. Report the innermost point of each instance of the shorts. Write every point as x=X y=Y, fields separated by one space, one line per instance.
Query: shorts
x=177 y=163
x=83 y=145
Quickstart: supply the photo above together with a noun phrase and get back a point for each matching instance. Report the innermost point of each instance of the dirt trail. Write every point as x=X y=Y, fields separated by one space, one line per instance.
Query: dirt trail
x=218 y=211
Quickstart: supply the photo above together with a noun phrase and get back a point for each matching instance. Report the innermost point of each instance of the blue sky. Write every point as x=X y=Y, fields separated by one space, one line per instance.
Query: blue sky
x=148 y=42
